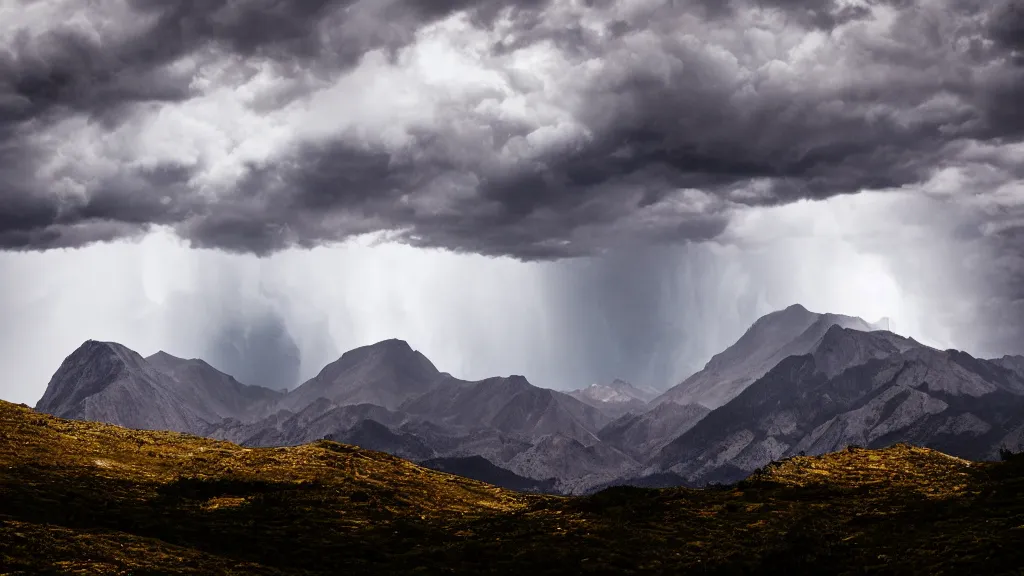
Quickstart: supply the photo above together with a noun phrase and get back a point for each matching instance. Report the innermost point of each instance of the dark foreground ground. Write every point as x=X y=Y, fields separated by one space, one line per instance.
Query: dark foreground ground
x=86 y=498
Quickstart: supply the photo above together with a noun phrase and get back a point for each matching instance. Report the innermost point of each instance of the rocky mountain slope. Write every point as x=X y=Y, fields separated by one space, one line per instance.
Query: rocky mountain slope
x=89 y=498
x=510 y=405
x=774 y=337
x=385 y=374
x=576 y=467
x=206 y=388
x=107 y=382
x=616 y=398
x=854 y=388
x=643 y=434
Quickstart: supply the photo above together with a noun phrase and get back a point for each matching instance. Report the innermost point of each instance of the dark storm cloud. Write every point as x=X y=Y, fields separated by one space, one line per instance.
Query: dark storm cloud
x=1006 y=25
x=114 y=210
x=68 y=67
x=678 y=126
x=285 y=206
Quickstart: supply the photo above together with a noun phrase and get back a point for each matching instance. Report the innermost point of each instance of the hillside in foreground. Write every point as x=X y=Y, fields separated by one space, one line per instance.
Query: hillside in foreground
x=87 y=498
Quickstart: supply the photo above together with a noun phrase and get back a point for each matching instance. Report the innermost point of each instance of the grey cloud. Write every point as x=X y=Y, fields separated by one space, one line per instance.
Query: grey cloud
x=1006 y=24
x=822 y=14
x=67 y=67
x=39 y=218
x=685 y=113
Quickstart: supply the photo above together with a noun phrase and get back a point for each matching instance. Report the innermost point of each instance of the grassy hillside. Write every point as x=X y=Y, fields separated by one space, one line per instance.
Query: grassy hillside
x=85 y=498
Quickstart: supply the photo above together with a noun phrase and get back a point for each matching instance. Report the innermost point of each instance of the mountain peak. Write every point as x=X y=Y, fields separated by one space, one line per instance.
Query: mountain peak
x=618 y=391
x=836 y=331
x=165 y=362
x=835 y=338
x=92 y=349
x=787 y=319
x=392 y=344
x=773 y=337
x=842 y=347
x=391 y=348
x=93 y=346
x=88 y=371
x=109 y=382
x=170 y=364
x=385 y=373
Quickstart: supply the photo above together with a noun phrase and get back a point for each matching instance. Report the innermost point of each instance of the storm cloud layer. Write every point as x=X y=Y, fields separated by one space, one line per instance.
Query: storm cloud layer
x=533 y=129
x=664 y=171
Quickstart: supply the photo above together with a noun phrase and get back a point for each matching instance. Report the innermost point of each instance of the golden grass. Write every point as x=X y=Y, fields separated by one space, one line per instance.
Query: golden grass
x=87 y=498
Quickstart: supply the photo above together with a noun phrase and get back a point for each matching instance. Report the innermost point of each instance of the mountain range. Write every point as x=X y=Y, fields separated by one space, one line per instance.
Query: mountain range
x=797 y=382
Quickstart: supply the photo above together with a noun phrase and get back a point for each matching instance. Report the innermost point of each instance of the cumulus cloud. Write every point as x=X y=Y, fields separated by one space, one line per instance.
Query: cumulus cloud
x=535 y=129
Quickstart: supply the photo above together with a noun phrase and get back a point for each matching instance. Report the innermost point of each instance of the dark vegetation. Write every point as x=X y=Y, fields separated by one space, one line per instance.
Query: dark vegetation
x=480 y=468
x=86 y=498
x=1007 y=455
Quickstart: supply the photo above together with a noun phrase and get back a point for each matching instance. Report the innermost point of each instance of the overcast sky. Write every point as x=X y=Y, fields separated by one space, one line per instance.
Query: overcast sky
x=570 y=190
